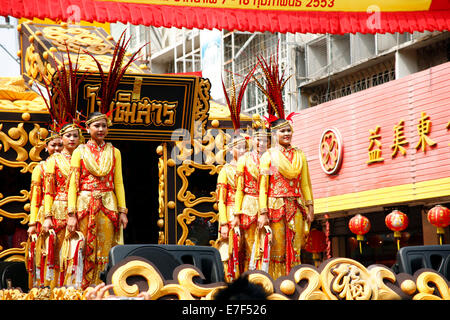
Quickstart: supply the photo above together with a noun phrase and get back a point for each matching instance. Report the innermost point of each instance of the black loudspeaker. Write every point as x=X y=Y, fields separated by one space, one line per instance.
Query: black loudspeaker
x=436 y=257
x=15 y=274
x=167 y=257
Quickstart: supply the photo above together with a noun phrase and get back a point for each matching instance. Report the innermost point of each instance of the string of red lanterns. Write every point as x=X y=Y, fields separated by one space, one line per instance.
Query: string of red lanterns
x=397 y=221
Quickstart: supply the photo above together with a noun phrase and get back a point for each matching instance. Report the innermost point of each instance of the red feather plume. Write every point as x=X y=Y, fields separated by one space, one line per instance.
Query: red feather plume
x=111 y=80
x=273 y=86
x=62 y=91
x=235 y=103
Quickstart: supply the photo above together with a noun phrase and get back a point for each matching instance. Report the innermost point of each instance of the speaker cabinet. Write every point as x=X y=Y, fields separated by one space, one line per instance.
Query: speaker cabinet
x=436 y=257
x=167 y=257
x=13 y=273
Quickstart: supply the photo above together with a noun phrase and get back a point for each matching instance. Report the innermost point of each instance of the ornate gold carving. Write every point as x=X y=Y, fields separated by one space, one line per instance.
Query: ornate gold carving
x=63 y=293
x=408 y=287
x=185 y=278
x=39 y=294
x=35 y=67
x=340 y=273
x=162 y=194
x=77 y=39
x=136 y=268
x=263 y=280
x=347 y=279
x=37 y=137
x=186 y=218
x=202 y=108
x=9 y=199
x=313 y=289
x=16 y=139
x=202 y=149
x=185 y=289
x=14 y=253
x=426 y=292
x=184 y=171
x=379 y=274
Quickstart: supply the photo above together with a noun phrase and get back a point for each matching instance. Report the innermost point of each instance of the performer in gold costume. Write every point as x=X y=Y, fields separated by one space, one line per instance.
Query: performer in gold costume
x=226 y=184
x=61 y=105
x=247 y=194
x=96 y=199
x=226 y=192
x=53 y=145
x=285 y=198
x=55 y=200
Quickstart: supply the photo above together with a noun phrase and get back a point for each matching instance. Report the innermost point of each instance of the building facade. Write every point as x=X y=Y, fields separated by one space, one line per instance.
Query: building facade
x=378 y=150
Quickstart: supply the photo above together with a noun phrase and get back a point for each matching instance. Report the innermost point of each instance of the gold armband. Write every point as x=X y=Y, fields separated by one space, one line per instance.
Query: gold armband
x=309 y=202
x=122 y=210
x=263 y=211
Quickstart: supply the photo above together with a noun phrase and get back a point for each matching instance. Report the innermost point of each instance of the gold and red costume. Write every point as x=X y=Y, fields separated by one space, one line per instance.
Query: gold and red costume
x=226 y=192
x=285 y=191
x=57 y=176
x=36 y=219
x=246 y=203
x=97 y=196
x=36 y=196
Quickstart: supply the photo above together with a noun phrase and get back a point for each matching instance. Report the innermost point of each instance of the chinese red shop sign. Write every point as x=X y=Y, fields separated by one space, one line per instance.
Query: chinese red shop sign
x=331 y=144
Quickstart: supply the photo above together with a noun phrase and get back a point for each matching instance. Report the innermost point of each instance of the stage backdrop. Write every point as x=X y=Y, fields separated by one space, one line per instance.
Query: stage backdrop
x=313 y=16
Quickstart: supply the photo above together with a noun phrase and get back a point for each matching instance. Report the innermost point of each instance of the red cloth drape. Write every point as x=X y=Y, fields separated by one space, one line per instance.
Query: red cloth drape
x=436 y=18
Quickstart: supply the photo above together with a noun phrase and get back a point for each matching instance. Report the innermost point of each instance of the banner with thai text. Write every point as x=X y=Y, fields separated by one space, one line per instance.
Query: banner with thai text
x=305 y=16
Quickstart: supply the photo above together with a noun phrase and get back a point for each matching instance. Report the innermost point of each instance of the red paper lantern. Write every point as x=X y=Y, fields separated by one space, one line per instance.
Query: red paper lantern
x=359 y=225
x=397 y=221
x=439 y=216
x=316 y=243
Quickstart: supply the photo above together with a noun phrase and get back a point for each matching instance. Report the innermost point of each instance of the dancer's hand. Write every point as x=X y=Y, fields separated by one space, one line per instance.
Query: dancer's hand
x=98 y=293
x=72 y=222
x=263 y=220
x=47 y=225
x=31 y=230
x=235 y=222
x=123 y=220
x=310 y=216
x=224 y=231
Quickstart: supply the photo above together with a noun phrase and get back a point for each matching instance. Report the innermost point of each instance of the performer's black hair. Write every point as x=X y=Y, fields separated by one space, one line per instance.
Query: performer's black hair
x=241 y=289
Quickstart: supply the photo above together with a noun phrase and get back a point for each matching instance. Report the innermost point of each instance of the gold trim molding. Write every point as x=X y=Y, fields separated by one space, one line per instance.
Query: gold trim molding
x=185 y=170
x=335 y=279
x=187 y=217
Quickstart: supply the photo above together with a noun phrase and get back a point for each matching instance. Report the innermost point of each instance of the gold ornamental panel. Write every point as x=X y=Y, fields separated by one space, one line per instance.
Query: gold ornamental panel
x=335 y=279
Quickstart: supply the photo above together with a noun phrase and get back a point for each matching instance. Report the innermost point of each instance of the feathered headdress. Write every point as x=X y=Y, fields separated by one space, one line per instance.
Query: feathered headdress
x=260 y=127
x=273 y=90
x=111 y=80
x=62 y=93
x=235 y=104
